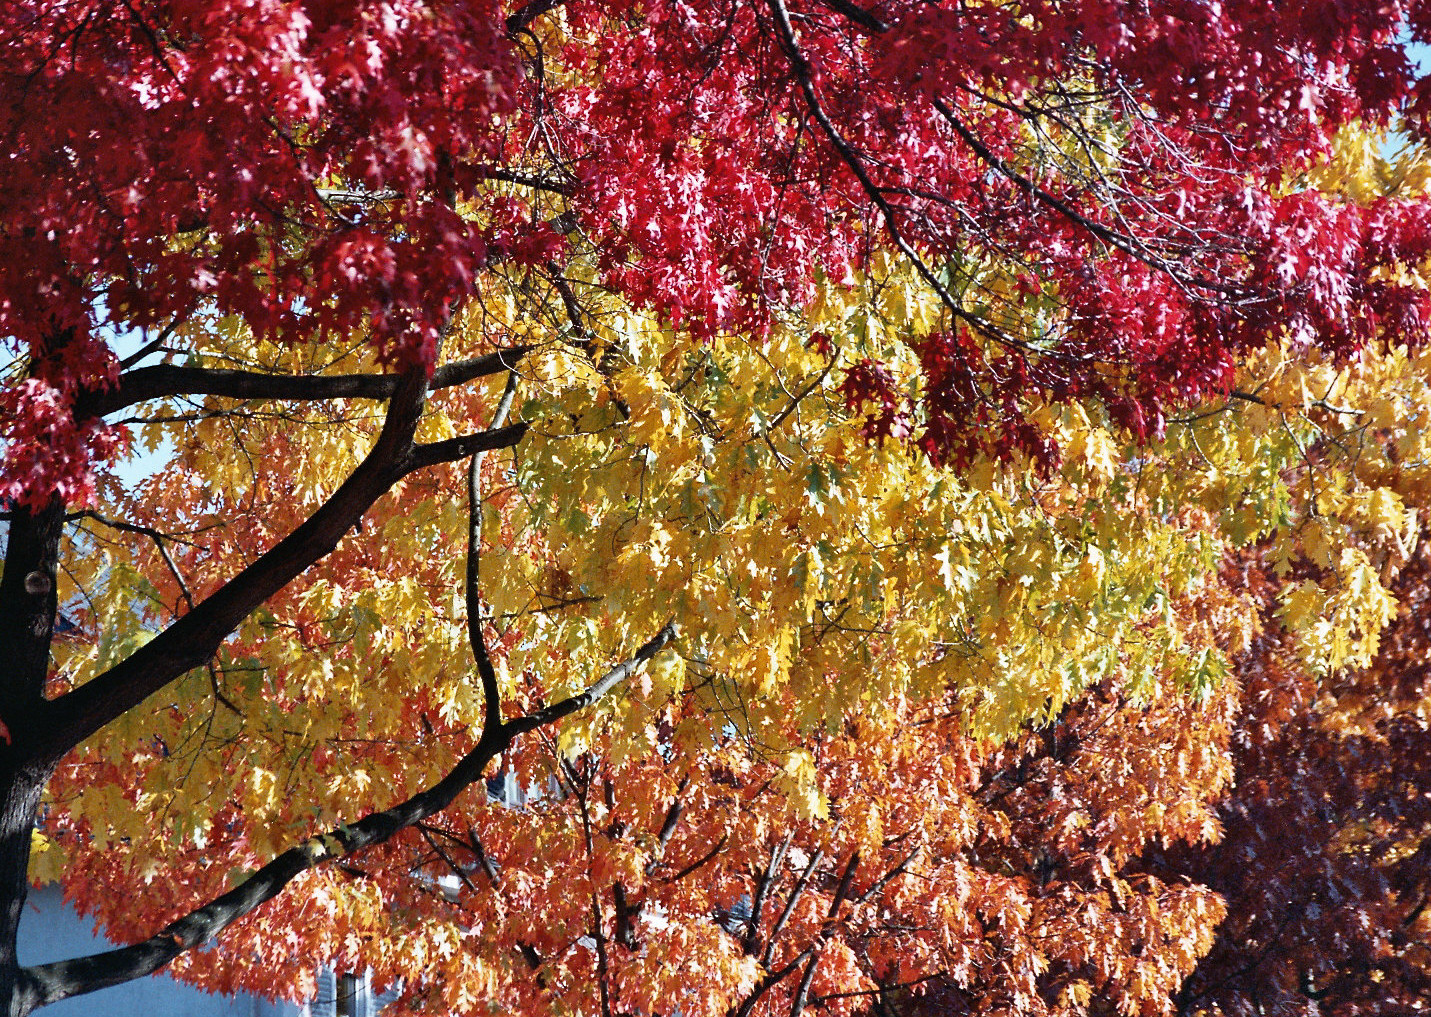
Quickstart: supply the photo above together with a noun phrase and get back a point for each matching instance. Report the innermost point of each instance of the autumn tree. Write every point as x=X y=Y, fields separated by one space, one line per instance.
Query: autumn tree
x=819 y=334
x=816 y=551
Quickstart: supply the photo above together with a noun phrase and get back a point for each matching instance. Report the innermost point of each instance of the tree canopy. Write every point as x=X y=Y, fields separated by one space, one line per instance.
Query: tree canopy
x=915 y=497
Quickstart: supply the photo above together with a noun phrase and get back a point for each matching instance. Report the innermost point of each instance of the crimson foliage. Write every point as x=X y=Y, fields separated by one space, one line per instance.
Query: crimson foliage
x=350 y=167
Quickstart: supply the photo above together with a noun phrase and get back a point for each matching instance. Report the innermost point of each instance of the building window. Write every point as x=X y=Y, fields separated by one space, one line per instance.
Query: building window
x=351 y=996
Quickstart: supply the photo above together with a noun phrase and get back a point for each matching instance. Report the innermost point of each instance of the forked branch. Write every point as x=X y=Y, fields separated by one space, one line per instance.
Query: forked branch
x=44 y=984
x=191 y=640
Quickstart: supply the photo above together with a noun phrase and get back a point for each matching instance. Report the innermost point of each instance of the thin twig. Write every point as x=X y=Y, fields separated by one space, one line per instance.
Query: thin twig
x=491 y=691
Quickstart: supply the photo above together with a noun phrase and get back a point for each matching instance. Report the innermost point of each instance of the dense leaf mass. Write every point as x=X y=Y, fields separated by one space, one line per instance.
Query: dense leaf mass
x=353 y=166
x=1325 y=863
x=874 y=768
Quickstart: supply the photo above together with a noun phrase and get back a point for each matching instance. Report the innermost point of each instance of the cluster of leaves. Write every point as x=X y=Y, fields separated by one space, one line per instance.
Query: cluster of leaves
x=1323 y=860
x=297 y=165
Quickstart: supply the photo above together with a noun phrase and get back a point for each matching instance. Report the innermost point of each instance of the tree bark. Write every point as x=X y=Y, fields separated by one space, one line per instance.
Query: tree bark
x=21 y=788
x=28 y=603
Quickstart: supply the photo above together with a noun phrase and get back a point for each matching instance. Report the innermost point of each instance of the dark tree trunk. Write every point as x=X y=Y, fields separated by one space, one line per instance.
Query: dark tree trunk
x=21 y=791
x=28 y=602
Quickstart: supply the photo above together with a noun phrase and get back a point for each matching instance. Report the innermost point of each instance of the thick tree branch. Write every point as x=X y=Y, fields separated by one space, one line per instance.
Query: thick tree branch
x=751 y=941
x=193 y=639
x=843 y=890
x=153 y=346
x=30 y=601
x=771 y=980
x=44 y=984
x=668 y=827
x=596 y=690
x=603 y=967
x=532 y=180
x=702 y=860
x=165 y=380
x=883 y=881
x=802 y=991
x=858 y=15
x=49 y=983
x=519 y=20
x=489 y=867
x=790 y=902
x=453 y=449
